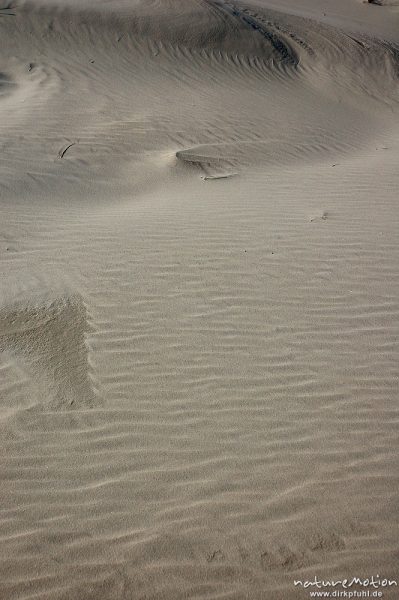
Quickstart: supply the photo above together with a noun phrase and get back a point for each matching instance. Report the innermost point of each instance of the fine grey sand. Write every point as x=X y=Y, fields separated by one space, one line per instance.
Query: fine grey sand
x=199 y=300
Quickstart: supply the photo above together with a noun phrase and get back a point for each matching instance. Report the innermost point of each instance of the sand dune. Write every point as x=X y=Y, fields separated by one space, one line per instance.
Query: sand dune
x=199 y=310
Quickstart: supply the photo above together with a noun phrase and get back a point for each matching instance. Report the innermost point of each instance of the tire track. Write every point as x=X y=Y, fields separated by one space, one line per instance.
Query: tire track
x=286 y=52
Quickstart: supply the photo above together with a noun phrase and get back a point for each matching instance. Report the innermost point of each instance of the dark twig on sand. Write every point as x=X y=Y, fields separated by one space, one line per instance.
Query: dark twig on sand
x=62 y=153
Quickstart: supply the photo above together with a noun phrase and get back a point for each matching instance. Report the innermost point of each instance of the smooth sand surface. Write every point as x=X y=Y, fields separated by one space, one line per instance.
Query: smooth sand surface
x=199 y=249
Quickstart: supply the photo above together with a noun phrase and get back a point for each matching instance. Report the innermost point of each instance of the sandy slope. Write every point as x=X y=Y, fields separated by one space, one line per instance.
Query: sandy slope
x=199 y=297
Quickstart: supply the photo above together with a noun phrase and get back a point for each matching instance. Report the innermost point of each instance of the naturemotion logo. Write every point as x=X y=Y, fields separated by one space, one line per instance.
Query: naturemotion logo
x=371 y=587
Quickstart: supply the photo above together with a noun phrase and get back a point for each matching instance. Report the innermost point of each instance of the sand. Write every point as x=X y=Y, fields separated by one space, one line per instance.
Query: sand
x=199 y=249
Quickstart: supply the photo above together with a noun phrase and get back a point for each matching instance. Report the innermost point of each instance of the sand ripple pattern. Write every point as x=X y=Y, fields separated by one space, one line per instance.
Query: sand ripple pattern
x=199 y=314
